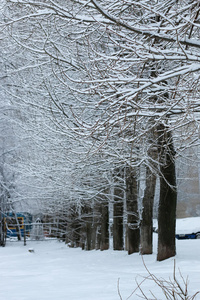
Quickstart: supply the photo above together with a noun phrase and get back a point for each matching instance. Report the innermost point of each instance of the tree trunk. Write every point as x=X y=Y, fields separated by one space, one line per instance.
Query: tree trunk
x=133 y=231
x=74 y=227
x=168 y=196
x=86 y=227
x=104 y=240
x=95 y=225
x=88 y=220
x=89 y=234
x=118 y=210
x=77 y=232
x=146 y=234
x=94 y=235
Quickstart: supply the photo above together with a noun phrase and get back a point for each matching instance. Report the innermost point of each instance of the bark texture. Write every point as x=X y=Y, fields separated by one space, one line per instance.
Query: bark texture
x=118 y=210
x=146 y=234
x=168 y=196
x=104 y=239
x=133 y=231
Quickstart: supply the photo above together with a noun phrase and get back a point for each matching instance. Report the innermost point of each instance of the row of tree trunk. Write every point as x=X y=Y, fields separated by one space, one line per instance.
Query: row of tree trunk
x=130 y=230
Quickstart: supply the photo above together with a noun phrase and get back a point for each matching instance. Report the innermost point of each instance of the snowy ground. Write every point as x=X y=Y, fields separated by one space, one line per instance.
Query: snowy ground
x=56 y=272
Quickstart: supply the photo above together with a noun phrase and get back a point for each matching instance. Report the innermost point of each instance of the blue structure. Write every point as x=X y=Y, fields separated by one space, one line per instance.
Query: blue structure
x=23 y=223
x=188 y=236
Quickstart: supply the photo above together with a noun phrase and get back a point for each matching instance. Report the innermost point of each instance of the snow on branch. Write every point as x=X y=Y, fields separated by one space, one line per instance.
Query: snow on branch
x=152 y=34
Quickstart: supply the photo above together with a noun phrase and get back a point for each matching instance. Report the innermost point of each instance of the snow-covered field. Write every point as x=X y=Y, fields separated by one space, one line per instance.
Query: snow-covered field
x=56 y=272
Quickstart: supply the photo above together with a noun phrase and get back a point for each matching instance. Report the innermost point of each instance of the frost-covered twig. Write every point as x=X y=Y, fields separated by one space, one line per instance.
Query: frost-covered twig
x=171 y=289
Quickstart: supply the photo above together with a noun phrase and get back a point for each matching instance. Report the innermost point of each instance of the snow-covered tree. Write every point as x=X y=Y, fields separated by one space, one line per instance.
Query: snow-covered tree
x=121 y=74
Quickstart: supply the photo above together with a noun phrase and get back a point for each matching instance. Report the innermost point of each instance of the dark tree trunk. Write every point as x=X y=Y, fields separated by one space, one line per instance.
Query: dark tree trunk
x=118 y=211
x=89 y=234
x=77 y=232
x=74 y=227
x=86 y=228
x=95 y=225
x=2 y=231
x=133 y=231
x=146 y=234
x=98 y=244
x=168 y=196
x=94 y=235
x=88 y=220
x=104 y=239
x=118 y=208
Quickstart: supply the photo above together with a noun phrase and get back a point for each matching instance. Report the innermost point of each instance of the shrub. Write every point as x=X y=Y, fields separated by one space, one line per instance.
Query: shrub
x=171 y=289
